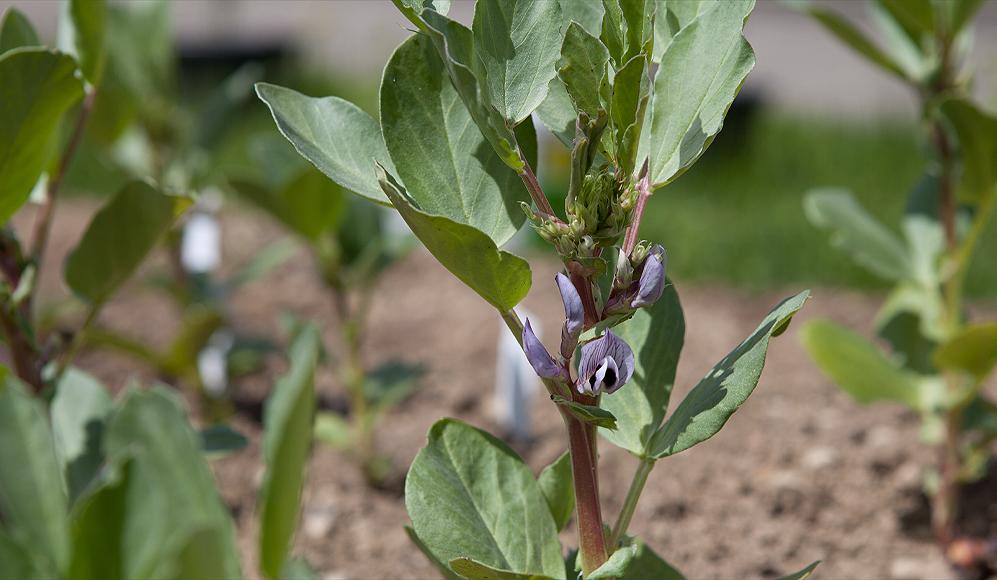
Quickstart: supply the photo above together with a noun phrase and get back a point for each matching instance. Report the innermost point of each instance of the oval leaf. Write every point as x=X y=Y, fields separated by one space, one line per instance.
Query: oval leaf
x=517 y=43
x=859 y=367
x=501 y=278
x=78 y=412
x=441 y=156
x=857 y=233
x=36 y=87
x=118 y=238
x=287 y=441
x=557 y=485
x=974 y=350
x=470 y=496
x=32 y=502
x=81 y=33
x=176 y=524
x=16 y=31
x=340 y=139
x=714 y=399
x=977 y=131
x=703 y=69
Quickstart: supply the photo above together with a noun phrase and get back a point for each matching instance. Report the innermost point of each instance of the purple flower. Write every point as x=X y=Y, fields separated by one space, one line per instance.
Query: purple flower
x=652 y=278
x=539 y=358
x=607 y=363
x=574 y=315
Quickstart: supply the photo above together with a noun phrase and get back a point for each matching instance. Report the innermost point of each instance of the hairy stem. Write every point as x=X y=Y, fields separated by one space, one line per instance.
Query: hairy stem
x=591 y=539
x=536 y=192
x=630 y=503
x=643 y=194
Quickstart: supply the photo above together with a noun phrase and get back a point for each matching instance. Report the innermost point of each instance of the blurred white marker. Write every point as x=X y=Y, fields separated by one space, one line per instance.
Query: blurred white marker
x=201 y=248
x=515 y=383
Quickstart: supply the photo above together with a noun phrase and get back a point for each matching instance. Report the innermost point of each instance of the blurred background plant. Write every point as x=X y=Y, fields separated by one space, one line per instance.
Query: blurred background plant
x=938 y=360
x=351 y=245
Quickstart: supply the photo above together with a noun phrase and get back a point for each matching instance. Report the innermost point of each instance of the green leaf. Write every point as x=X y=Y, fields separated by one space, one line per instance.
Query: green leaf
x=118 y=238
x=802 y=574
x=636 y=562
x=16 y=31
x=631 y=91
x=501 y=278
x=656 y=335
x=32 y=501
x=82 y=29
x=141 y=55
x=855 y=39
x=36 y=87
x=474 y=570
x=977 y=132
x=341 y=140
x=963 y=12
x=707 y=407
x=455 y=46
x=671 y=17
x=309 y=205
x=859 y=367
x=173 y=505
x=857 y=233
x=588 y=14
x=557 y=485
x=470 y=496
x=915 y=17
x=590 y=414
x=973 y=350
x=333 y=430
x=443 y=569
x=517 y=43
x=583 y=69
x=99 y=523
x=440 y=155
x=79 y=412
x=390 y=383
x=266 y=260
x=705 y=65
x=221 y=441
x=16 y=559
x=557 y=113
x=287 y=440
x=614 y=30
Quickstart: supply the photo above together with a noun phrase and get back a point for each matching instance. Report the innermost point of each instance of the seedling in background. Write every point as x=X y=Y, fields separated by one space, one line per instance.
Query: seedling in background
x=351 y=247
x=938 y=360
x=45 y=91
x=141 y=126
x=637 y=90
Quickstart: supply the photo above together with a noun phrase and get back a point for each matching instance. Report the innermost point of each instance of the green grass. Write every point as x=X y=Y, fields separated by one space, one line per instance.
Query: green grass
x=737 y=218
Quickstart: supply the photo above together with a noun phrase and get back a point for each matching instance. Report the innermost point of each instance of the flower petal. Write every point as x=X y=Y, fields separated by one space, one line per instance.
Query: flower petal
x=593 y=361
x=574 y=315
x=539 y=358
x=652 y=279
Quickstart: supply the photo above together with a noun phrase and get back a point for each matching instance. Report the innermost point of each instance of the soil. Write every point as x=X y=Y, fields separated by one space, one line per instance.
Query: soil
x=800 y=472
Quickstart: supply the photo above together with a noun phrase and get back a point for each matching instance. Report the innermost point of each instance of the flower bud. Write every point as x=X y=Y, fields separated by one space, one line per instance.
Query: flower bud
x=574 y=315
x=539 y=358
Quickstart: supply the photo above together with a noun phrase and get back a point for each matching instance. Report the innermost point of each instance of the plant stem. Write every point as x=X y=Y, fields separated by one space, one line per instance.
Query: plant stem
x=591 y=538
x=43 y=221
x=536 y=192
x=643 y=194
x=76 y=343
x=630 y=503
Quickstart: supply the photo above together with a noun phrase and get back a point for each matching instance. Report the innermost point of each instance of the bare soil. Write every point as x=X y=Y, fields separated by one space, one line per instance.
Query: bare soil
x=800 y=472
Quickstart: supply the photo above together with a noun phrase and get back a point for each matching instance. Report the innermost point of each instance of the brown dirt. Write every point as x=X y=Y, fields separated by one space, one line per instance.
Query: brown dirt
x=800 y=473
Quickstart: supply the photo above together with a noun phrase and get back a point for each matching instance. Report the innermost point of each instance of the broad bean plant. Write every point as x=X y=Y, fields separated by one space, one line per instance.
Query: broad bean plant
x=351 y=247
x=937 y=359
x=637 y=90
x=48 y=98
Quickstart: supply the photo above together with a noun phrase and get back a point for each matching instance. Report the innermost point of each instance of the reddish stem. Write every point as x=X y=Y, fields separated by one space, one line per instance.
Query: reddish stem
x=643 y=194
x=591 y=538
x=536 y=192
